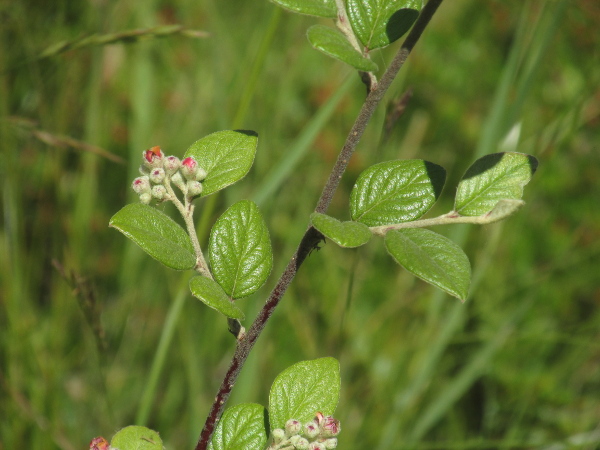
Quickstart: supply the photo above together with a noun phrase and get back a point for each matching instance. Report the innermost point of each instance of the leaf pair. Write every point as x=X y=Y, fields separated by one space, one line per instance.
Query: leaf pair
x=397 y=192
x=297 y=393
x=374 y=23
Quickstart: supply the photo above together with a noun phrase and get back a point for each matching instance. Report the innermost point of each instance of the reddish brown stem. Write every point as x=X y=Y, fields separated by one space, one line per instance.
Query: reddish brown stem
x=312 y=237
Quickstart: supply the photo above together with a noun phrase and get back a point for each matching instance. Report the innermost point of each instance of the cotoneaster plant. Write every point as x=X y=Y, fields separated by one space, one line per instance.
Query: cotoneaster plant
x=388 y=201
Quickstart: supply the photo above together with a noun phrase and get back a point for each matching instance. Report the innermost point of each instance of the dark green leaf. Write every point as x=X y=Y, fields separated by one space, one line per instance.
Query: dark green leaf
x=334 y=43
x=320 y=8
x=157 y=234
x=240 y=250
x=431 y=257
x=241 y=427
x=378 y=23
x=226 y=156
x=493 y=178
x=344 y=234
x=210 y=293
x=136 y=438
x=303 y=389
x=396 y=191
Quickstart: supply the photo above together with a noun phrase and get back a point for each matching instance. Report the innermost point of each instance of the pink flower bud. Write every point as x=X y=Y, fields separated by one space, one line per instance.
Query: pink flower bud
x=292 y=427
x=189 y=167
x=157 y=176
x=99 y=443
x=311 y=430
x=316 y=446
x=153 y=157
x=172 y=164
x=141 y=185
x=330 y=427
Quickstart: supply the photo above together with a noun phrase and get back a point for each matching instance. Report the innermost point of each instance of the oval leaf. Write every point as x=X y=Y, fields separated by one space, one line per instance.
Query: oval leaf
x=303 y=389
x=378 y=23
x=334 y=43
x=344 y=234
x=240 y=250
x=211 y=294
x=242 y=426
x=319 y=8
x=396 y=191
x=136 y=438
x=431 y=257
x=226 y=156
x=157 y=234
x=492 y=178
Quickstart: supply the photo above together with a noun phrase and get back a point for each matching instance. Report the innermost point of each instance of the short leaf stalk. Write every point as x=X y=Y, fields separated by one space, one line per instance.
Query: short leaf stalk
x=312 y=237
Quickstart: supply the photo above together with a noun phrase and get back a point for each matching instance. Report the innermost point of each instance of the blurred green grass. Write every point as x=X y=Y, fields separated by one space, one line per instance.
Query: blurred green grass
x=516 y=366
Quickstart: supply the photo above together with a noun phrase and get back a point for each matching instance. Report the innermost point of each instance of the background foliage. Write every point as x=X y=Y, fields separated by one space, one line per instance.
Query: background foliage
x=516 y=366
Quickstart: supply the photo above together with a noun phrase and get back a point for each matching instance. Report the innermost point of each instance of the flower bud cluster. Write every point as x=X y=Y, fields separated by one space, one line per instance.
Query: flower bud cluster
x=318 y=434
x=158 y=171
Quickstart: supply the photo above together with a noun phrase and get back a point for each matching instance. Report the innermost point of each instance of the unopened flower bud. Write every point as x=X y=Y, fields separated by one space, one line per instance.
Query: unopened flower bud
x=157 y=176
x=177 y=180
x=299 y=442
x=141 y=185
x=99 y=443
x=194 y=188
x=316 y=446
x=172 y=164
x=159 y=191
x=311 y=429
x=292 y=427
x=200 y=174
x=188 y=168
x=153 y=157
x=278 y=435
x=146 y=198
x=331 y=443
x=330 y=427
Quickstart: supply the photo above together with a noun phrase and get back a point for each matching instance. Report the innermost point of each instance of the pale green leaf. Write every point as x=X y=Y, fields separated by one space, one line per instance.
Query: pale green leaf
x=304 y=389
x=319 y=8
x=344 y=234
x=240 y=250
x=136 y=438
x=334 y=43
x=431 y=257
x=157 y=234
x=211 y=294
x=378 y=23
x=396 y=191
x=494 y=177
x=226 y=156
x=241 y=427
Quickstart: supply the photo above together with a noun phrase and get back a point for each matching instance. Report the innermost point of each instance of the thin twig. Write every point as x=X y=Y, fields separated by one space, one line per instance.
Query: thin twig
x=312 y=237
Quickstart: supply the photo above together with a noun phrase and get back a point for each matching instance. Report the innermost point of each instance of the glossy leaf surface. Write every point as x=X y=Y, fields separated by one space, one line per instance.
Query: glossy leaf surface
x=319 y=8
x=344 y=234
x=211 y=294
x=241 y=426
x=492 y=178
x=334 y=43
x=433 y=258
x=378 y=23
x=396 y=191
x=226 y=156
x=303 y=389
x=157 y=234
x=240 y=250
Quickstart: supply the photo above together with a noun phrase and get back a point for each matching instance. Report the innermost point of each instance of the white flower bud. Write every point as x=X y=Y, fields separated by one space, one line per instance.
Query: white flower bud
x=278 y=435
x=159 y=191
x=145 y=198
x=157 y=176
x=200 y=174
x=141 y=185
x=172 y=164
x=194 y=188
x=177 y=180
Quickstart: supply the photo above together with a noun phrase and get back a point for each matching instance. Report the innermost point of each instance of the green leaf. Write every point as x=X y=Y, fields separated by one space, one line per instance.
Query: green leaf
x=240 y=250
x=492 y=178
x=303 y=389
x=396 y=191
x=226 y=156
x=136 y=438
x=242 y=426
x=210 y=293
x=334 y=43
x=344 y=234
x=431 y=257
x=319 y=8
x=157 y=234
x=378 y=23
